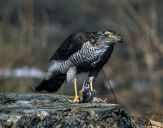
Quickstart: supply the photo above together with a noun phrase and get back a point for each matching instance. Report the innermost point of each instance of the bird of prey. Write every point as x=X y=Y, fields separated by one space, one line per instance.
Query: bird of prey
x=80 y=52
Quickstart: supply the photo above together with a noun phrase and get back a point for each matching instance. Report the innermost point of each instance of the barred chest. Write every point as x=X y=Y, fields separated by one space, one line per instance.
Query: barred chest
x=88 y=53
x=87 y=56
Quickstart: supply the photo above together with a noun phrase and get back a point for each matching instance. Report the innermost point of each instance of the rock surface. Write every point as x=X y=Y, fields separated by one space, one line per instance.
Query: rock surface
x=54 y=111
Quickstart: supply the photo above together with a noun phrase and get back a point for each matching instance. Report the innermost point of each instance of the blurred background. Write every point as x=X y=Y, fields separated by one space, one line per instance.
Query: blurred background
x=31 y=31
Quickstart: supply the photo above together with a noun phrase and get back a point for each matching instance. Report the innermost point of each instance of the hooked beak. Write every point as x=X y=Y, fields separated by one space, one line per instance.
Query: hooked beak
x=119 y=39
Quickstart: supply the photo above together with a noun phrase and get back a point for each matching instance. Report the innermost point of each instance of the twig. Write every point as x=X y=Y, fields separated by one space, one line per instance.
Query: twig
x=112 y=91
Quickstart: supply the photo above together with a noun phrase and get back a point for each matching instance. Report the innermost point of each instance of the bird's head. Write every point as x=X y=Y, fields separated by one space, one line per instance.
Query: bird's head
x=108 y=38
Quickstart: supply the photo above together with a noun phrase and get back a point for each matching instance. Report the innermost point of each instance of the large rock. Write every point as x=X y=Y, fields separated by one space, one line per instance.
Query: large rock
x=54 y=111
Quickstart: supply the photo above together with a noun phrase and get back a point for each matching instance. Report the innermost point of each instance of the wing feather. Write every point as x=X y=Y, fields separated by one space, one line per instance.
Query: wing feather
x=72 y=44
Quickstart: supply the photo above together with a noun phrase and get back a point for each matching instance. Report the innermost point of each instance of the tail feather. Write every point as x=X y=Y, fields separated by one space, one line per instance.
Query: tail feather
x=53 y=84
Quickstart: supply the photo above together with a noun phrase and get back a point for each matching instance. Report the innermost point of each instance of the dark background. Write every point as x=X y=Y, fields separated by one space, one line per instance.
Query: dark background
x=31 y=30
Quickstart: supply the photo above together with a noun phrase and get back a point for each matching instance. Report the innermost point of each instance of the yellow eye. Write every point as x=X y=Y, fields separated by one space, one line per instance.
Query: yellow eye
x=111 y=36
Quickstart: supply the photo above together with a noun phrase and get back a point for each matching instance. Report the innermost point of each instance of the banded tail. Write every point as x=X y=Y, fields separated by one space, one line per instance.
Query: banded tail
x=54 y=78
x=53 y=84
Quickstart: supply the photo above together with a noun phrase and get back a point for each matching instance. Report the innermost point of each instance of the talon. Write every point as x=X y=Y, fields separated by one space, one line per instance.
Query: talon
x=76 y=100
x=93 y=93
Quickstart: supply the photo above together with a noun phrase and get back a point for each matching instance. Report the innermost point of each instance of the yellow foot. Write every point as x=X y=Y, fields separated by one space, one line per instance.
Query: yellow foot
x=76 y=100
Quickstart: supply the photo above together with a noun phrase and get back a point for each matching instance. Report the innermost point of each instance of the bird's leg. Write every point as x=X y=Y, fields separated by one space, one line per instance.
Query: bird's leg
x=91 y=80
x=93 y=93
x=76 y=99
x=76 y=91
x=91 y=83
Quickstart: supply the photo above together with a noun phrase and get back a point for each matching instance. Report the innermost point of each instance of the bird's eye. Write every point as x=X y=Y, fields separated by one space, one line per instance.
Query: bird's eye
x=111 y=36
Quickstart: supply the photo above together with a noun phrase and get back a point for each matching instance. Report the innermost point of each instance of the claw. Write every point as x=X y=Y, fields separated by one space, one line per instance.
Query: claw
x=76 y=100
x=93 y=93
